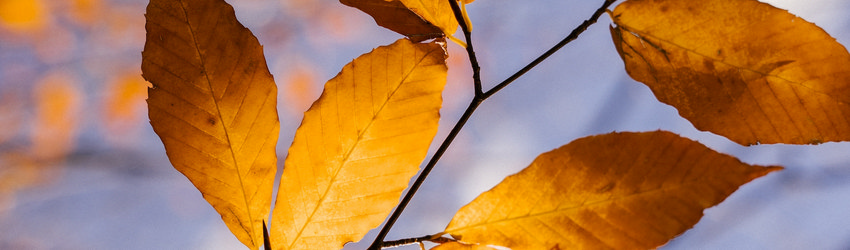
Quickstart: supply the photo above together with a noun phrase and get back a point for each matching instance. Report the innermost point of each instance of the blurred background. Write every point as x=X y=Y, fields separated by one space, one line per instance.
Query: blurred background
x=80 y=167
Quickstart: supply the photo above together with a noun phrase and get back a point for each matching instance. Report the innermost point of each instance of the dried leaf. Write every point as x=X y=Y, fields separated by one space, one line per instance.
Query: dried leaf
x=618 y=190
x=739 y=68
x=358 y=146
x=213 y=104
x=418 y=19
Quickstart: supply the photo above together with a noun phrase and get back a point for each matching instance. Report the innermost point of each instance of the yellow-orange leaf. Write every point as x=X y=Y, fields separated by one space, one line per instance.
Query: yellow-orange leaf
x=358 y=146
x=617 y=190
x=214 y=105
x=739 y=68
x=418 y=19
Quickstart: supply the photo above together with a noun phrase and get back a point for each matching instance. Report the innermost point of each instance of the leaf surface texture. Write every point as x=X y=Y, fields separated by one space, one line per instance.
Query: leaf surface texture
x=738 y=68
x=418 y=19
x=213 y=104
x=611 y=191
x=358 y=146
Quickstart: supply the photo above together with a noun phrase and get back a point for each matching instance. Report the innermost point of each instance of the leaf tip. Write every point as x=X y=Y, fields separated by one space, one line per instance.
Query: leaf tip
x=761 y=171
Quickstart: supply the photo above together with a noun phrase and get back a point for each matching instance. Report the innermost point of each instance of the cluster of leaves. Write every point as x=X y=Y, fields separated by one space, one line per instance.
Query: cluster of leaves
x=213 y=104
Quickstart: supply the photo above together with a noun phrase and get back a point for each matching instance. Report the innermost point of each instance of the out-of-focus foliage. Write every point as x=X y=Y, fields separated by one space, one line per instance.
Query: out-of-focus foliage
x=23 y=15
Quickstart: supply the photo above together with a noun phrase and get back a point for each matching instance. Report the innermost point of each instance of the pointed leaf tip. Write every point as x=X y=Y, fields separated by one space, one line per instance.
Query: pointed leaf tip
x=617 y=190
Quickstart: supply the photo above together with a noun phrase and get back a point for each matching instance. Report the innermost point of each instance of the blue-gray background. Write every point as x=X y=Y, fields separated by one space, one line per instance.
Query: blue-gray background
x=116 y=190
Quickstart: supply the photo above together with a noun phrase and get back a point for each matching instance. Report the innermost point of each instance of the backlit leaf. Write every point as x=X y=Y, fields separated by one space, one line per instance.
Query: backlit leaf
x=617 y=190
x=418 y=19
x=213 y=104
x=358 y=146
x=739 y=68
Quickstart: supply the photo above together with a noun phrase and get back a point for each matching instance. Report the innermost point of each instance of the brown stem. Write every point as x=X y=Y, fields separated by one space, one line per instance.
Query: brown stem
x=476 y=101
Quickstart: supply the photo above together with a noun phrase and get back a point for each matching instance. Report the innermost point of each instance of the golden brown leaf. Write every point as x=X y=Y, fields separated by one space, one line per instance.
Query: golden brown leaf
x=739 y=68
x=358 y=146
x=618 y=190
x=418 y=19
x=213 y=104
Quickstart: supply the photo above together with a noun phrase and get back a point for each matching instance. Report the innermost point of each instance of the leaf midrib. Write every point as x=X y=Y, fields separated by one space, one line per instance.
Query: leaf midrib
x=582 y=205
x=350 y=150
x=197 y=46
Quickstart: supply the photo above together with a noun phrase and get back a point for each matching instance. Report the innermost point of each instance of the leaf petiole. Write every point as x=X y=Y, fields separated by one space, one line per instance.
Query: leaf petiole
x=457 y=41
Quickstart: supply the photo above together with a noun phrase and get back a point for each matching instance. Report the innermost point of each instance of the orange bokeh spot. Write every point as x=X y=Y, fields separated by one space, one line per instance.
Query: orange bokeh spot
x=23 y=15
x=58 y=103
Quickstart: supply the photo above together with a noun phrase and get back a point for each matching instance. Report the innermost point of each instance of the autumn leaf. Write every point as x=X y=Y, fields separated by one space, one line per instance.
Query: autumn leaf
x=358 y=146
x=418 y=19
x=617 y=190
x=738 y=68
x=213 y=104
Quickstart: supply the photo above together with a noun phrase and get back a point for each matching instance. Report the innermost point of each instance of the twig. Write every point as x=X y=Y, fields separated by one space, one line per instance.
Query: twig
x=473 y=105
x=376 y=245
x=467 y=34
x=572 y=36
x=436 y=238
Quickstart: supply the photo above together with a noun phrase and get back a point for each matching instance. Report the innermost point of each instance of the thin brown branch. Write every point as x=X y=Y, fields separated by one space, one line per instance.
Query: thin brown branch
x=479 y=97
x=436 y=238
x=470 y=51
x=572 y=36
